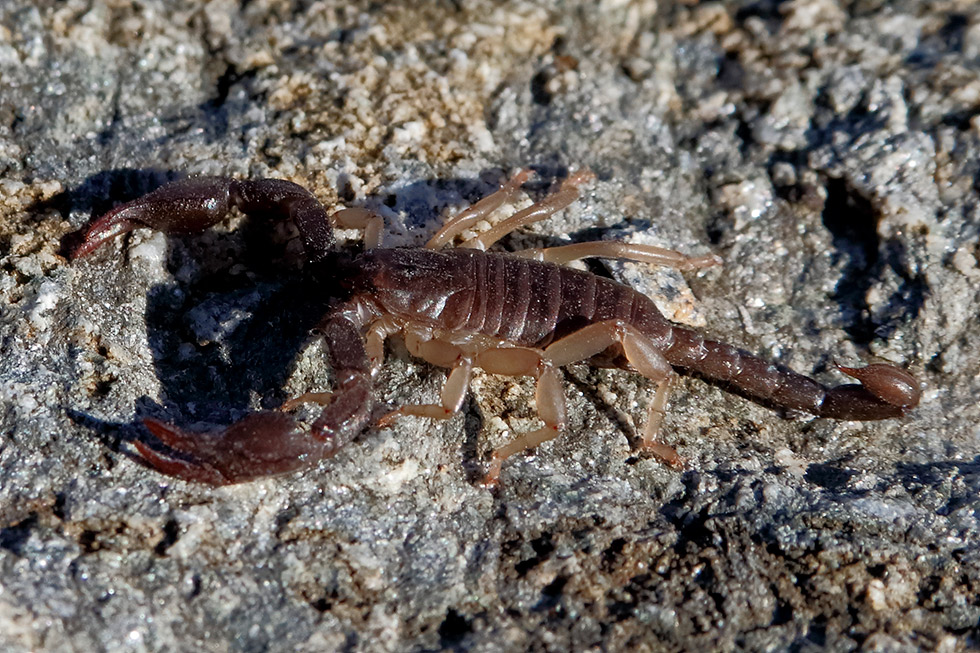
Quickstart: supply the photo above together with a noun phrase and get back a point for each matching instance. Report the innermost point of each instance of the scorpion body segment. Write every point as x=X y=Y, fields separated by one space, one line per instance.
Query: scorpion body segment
x=531 y=303
x=466 y=308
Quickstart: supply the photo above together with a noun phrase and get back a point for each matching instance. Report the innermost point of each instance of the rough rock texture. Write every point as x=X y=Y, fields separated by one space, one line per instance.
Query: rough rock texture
x=827 y=149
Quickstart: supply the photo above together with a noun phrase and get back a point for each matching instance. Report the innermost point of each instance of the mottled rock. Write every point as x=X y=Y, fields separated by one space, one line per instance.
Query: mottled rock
x=828 y=151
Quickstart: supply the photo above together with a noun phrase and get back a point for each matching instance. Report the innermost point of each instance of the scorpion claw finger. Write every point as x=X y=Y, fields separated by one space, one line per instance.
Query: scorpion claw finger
x=185 y=469
x=100 y=232
x=170 y=435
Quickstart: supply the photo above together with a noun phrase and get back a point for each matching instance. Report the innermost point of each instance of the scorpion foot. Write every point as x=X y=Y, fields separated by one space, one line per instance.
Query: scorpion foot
x=664 y=453
x=492 y=478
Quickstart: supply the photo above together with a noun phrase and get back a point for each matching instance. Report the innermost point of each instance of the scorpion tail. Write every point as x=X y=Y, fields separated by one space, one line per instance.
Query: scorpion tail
x=885 y=391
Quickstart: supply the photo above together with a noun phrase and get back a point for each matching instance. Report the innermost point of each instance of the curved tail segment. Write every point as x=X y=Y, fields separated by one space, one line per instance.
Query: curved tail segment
x=884 y=392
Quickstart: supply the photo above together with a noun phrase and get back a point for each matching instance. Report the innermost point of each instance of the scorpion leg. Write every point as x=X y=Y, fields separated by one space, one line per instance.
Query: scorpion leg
x=549 y=399
x=510 y=361
x=583 y=344
x=453 y=393
x=614 y=249
x=371 y=223
x=642 y=354
x=421 y=343
x=478 y=211
x=377 y=333
x=565 y=195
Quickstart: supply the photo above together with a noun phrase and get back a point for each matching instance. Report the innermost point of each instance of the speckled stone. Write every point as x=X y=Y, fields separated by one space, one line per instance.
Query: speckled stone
x=829 y=151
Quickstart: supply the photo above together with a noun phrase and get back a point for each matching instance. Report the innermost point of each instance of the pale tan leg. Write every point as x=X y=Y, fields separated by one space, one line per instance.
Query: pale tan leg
x=651 y=442
x=453 y=393
x=374 y=341
x=321 y=398
x=642 y=355
x=470 y=216
x=511 y=361
x=440 y=353
x=365 y=220
x=614 y=249
x=565 y=195
x=577 y=346
x=549 y=400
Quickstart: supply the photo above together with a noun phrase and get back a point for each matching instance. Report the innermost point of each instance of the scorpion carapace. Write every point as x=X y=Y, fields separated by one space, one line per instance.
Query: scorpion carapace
x=522 y=314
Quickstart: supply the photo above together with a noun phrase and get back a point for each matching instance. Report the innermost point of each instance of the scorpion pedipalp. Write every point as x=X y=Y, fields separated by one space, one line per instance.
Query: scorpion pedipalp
x=196 y=203
x=266 y=443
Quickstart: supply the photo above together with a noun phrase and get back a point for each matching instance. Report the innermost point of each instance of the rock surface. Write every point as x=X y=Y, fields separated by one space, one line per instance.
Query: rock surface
x=828 y=151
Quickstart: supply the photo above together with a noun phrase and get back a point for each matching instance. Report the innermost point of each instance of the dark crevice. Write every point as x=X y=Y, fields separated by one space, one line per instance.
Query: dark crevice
x=767 y=10
x=89 y=541
x=171 y=533
x=14 y=538
x=731 y=73
x=960 y=120
x=321 y=604
x=58 y=509
x=543 y=547
x=102 y=388
x=948 y=39
x=743 y=132
x=453 y=629
x=783 y=612
x=612 y=552
x=551 y=595
x=829 y=477
x=716 y=228
x=853 y=225
x=539 y=90
x=694 y=531
x=223 y=86
x=195 y=586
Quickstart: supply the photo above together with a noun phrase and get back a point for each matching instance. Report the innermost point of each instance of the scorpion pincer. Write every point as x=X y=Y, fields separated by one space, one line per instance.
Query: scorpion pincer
x=522 y=314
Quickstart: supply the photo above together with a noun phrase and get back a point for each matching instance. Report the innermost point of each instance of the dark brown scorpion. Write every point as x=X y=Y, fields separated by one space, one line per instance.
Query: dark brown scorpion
x=522 y=314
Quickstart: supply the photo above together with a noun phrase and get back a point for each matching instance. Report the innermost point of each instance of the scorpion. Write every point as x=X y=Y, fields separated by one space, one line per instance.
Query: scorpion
x=462 y=308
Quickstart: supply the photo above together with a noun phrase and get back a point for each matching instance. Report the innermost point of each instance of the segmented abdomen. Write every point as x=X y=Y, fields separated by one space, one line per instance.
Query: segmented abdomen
x=521 y=301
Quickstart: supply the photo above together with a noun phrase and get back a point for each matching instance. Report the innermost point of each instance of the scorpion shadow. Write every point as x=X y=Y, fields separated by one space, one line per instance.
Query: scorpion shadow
x=224 y=337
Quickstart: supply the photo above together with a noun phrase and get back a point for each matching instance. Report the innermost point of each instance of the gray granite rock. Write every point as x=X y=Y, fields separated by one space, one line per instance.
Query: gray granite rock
x=828 y=151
